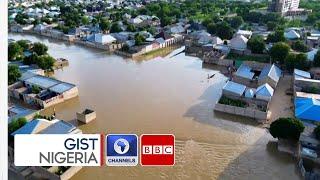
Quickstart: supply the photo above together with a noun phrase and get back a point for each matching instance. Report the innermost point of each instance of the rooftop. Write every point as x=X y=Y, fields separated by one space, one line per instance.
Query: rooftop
x=245 y=72
x=42 y=81
x=234 y=88
x=271 y=71
x=43 y=126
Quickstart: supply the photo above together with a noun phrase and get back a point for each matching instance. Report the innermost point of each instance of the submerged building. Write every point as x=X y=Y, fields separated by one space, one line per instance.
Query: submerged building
x=41 y=91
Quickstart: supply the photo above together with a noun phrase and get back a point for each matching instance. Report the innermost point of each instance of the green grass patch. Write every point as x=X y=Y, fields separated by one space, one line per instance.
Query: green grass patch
x=232 y=102
x=247 y=58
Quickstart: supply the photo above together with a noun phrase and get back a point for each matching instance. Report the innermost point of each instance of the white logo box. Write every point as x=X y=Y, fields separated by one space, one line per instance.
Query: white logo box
x=84 y=150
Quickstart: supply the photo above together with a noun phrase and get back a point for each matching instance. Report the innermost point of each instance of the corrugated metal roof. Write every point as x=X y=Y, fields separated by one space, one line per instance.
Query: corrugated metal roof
x=245 y=72
x=42 y=81
x=303 y=74
x=62 y=87
x=265 y=90
x=271 y=71
x=43 y=126
x=234 y=88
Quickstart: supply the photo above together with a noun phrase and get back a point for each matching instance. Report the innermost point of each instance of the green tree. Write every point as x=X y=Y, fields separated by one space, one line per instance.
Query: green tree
x=30 y=59
x=235 y=22
x=279 y=52
x=277 y=36
x=296 y=61
x=21 y=18
x=39 y=48
x=287 y=128
x=16 y=124
x=104 y=24
x=85 y=20
x=139 y=39
x=299 y=46
x=15 y=51
x=211 y=28
x=115 y=28
x=256 y=44
x=224 y=30
x=316 y=60
x=45 y=62
x=13 y=74
x=24 y=44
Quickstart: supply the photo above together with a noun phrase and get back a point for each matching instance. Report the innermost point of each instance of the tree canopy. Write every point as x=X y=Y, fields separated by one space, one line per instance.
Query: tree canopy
x=277 y=36
x=299 y=46
x=139 y=39
x=279 y=52
x=13 y=74
x=296 y=61
x=224 y=30
x=115 y=28
x=287 y=128
x=39 y=48
x=16 y=124
x=15 y=51
x=256 y=44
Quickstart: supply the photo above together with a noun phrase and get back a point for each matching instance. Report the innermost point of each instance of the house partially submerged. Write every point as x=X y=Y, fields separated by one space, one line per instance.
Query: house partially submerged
x=42 y=91
x=101 y=38
x=16 y=111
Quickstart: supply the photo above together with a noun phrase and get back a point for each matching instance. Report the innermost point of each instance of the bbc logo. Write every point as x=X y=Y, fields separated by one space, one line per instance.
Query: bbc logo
x=157 y=149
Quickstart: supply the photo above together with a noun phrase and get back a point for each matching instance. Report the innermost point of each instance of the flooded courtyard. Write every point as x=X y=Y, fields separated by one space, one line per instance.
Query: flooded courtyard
x=169 y=94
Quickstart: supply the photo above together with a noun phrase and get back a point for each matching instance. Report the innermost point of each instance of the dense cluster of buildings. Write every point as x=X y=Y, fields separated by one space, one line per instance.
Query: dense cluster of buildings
x=253 y=88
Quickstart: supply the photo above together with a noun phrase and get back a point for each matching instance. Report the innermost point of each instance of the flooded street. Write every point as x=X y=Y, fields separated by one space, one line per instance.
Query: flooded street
x=168 y=94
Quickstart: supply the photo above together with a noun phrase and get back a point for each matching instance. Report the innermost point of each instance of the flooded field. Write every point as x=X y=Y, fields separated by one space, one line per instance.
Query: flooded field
x=168 y=94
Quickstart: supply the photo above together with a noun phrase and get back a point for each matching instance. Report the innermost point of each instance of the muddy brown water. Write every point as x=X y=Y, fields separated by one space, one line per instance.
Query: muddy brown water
x=168 y=94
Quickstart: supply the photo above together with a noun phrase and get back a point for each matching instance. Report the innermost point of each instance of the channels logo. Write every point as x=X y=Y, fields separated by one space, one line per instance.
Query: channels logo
x=157 y=149
x=58 y=150
x=122 y=150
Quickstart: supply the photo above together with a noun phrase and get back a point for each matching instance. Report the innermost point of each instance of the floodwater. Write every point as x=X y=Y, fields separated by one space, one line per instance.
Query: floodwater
x=168 y=94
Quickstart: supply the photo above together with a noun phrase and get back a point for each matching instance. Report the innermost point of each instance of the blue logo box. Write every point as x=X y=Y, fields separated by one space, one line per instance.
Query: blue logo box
x=122 y=150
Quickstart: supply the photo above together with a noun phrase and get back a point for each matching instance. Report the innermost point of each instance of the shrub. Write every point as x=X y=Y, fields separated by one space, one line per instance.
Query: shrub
x=287 y=128
x=35 y=89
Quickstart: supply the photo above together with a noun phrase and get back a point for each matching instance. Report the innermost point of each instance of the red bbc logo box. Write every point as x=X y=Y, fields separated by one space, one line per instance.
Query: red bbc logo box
x=157 y=150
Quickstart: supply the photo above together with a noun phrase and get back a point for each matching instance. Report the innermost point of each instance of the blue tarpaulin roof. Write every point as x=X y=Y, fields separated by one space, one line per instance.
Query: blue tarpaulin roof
x=307 y=109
